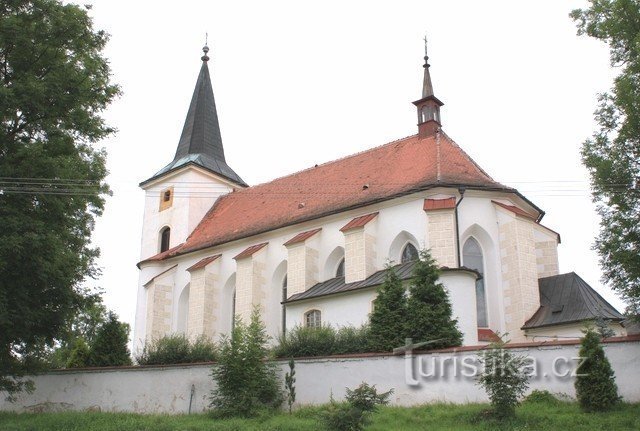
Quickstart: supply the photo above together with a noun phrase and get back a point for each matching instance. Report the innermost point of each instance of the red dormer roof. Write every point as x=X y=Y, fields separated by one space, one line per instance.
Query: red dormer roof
x=392 y=170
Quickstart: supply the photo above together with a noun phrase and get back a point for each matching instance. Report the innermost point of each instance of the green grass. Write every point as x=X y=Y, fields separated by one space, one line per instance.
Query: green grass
x=436 y=417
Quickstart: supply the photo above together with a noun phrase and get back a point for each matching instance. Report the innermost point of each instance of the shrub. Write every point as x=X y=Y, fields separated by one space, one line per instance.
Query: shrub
x=596 y=388
x=246 y=383
x=324 y=341
x=110 y=347
x=353 y=414
x=503 y=378
x=388 y=319
x=176 y=349
x=367 y=398
x=79 y=355
x=429 y=313
x=290 y=384
x=542 y=397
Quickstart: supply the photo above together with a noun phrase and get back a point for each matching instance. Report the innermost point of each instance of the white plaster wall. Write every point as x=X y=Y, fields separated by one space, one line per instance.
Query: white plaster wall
x=574 y=330
x=347 y=309
x=461 y=287
x=167 y=389
x=402 y=217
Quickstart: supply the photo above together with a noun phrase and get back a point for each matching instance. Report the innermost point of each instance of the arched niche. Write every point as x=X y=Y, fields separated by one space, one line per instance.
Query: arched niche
x=333 y=260
x=227 y=305
x=183 y=311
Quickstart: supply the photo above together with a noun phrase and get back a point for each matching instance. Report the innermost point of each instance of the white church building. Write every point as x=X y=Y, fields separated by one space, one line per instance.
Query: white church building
x=310 y=248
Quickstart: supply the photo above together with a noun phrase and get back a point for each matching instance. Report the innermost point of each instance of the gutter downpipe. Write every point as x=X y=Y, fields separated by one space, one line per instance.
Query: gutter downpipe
x=461 y=190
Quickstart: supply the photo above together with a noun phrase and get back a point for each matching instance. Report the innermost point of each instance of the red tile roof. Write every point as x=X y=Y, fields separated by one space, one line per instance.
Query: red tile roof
x=358 y=222
x=302 y=237
x=515 y=210
x=487 y=335
x=439 y=204
x=391 y=170
x=204 y=262
x=250 y=250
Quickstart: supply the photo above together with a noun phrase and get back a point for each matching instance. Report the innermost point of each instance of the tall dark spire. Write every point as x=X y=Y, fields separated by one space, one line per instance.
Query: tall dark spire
x=429 y=105
x=200 y=142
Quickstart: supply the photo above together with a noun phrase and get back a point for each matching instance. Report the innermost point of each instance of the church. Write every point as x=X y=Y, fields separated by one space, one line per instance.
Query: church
x=310 y=248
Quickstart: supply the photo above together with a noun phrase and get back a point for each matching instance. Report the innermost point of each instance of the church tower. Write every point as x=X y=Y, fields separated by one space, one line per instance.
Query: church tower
x=178 y=196
x=429 y=105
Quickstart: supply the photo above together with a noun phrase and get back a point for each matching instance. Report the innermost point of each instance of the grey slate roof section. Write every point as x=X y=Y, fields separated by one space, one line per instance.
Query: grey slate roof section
x=338 y=285
x=567 y=298
x=200 y=142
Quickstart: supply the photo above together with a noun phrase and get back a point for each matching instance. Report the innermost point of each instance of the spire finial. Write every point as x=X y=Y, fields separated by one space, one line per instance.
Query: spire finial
x=205 y=48
x=426 y=56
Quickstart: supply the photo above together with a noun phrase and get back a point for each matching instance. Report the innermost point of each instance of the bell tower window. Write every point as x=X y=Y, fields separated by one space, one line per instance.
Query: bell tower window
x=166 y=198
x=165 y=238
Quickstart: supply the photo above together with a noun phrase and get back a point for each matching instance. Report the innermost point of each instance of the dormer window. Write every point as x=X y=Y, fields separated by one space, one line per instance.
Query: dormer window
x=165 y=238
x=166 y=198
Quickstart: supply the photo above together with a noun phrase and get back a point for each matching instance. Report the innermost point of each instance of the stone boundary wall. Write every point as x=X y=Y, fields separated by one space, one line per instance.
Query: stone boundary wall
x=444 y=375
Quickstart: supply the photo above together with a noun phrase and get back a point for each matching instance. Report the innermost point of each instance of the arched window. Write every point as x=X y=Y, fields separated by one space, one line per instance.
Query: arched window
x=284 y=307
x=472 y=258
x=313 y=319
x=409 y=253
x=165 y=237
x=340 y=268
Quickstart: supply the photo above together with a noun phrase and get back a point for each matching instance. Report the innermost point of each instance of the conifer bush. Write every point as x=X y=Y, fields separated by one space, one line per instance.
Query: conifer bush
x=110 y=346
x=79 y=355
x=595 y=384
x=388 y=319
x=429 y=312
x=503 y=378
x=246 y=383
x=355 y=412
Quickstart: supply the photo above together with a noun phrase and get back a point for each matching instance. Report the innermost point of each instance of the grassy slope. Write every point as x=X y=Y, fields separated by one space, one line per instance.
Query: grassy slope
x=531 y=416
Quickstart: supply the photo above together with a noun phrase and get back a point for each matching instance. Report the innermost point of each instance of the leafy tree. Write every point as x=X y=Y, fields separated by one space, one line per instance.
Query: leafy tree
x=504 y=378
x=612 y=154
x=55 y=83
x=388 y=320
x=596 y=387
x=429 y=314
x=110 y=345
x=246 y=383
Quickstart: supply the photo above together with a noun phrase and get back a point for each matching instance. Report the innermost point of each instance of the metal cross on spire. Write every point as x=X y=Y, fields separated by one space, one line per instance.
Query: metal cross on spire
x=205 y=48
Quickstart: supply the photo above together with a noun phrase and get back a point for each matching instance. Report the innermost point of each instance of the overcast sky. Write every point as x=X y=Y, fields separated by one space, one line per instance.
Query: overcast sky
x=299 y=83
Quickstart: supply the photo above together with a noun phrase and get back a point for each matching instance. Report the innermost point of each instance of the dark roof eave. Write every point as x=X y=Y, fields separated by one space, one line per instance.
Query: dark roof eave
x=568 y=322
x=191 y=162
x=359 y=288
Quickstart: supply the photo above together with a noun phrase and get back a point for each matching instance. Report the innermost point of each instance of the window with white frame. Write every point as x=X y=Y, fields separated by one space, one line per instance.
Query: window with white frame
x=313 y=319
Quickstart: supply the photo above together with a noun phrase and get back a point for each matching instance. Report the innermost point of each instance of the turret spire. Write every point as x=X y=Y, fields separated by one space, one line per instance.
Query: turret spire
x=200 y=142
x=429 y=105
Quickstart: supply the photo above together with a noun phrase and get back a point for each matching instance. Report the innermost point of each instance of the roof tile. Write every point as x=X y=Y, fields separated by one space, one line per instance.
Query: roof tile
x=358 y=222
x=514 y=209
x=391 y=170
x=204 y=262
x=439 y=204
x=249 y=251
x=302 y=237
